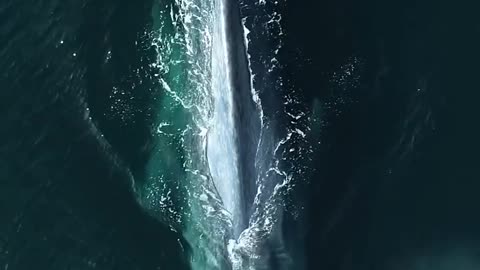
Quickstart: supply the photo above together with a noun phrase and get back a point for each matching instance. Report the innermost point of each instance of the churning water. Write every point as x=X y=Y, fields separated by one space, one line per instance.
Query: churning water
x=195 y=178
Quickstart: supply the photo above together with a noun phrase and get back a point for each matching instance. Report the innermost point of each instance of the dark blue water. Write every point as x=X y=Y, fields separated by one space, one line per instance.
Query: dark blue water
x=66 y=200
x=394 y=180
x=396 y=184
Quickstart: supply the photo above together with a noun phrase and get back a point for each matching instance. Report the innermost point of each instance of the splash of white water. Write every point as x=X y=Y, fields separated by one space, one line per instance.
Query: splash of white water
x=222 y=149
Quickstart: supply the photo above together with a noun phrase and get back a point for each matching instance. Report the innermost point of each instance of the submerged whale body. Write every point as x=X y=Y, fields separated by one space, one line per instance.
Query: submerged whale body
x=247 y=116
x=270 y=251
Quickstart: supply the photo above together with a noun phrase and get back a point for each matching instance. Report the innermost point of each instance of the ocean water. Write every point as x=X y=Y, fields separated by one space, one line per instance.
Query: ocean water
x=250 y=134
